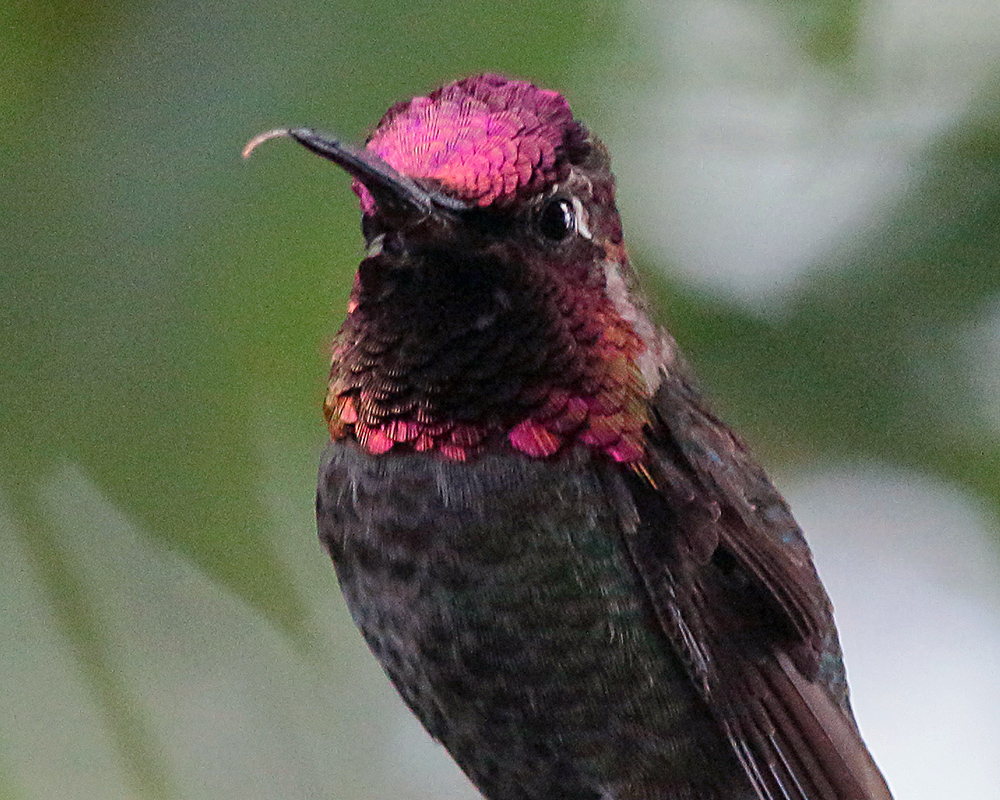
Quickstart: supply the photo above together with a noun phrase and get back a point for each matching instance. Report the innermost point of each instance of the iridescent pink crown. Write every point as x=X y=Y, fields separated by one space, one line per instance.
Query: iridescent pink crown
x=483 y=139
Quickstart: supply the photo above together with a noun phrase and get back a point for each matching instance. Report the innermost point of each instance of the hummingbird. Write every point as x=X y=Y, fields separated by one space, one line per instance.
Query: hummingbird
x=575 y=574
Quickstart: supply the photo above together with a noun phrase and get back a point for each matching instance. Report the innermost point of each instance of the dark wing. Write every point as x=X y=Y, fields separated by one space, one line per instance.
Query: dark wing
x=732 y=584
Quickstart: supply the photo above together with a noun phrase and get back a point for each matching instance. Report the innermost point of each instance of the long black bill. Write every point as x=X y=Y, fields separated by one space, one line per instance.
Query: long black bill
x=393 y=191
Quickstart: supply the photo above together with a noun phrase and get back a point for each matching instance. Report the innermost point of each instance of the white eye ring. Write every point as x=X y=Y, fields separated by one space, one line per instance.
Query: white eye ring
x=581 y=218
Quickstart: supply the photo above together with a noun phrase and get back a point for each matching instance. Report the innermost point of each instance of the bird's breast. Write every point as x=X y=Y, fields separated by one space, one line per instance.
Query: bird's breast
x=500 y=601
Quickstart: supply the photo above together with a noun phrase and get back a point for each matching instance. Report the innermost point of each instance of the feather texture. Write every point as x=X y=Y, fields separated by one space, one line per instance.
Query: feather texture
x=732 y=583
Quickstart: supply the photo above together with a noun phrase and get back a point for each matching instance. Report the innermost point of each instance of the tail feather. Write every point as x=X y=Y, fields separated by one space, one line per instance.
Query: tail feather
x=795 y=743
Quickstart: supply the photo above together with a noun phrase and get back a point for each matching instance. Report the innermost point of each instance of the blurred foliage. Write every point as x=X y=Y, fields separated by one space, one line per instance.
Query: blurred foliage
x=161 y=299
x=827 y=30
x=868 y=357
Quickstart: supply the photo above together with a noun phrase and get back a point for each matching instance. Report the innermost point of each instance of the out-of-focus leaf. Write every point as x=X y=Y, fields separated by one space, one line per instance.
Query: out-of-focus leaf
x=79 y=623
x=827 y=30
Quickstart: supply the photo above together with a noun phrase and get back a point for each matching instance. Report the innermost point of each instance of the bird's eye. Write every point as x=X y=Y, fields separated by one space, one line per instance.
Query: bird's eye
x=556 y=219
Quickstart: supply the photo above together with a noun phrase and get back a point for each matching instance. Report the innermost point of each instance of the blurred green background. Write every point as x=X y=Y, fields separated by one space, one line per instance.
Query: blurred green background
x=811 y=189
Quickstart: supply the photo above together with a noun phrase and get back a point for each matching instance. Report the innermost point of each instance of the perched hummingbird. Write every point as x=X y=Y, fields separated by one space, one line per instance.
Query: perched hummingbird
x=576 y=576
